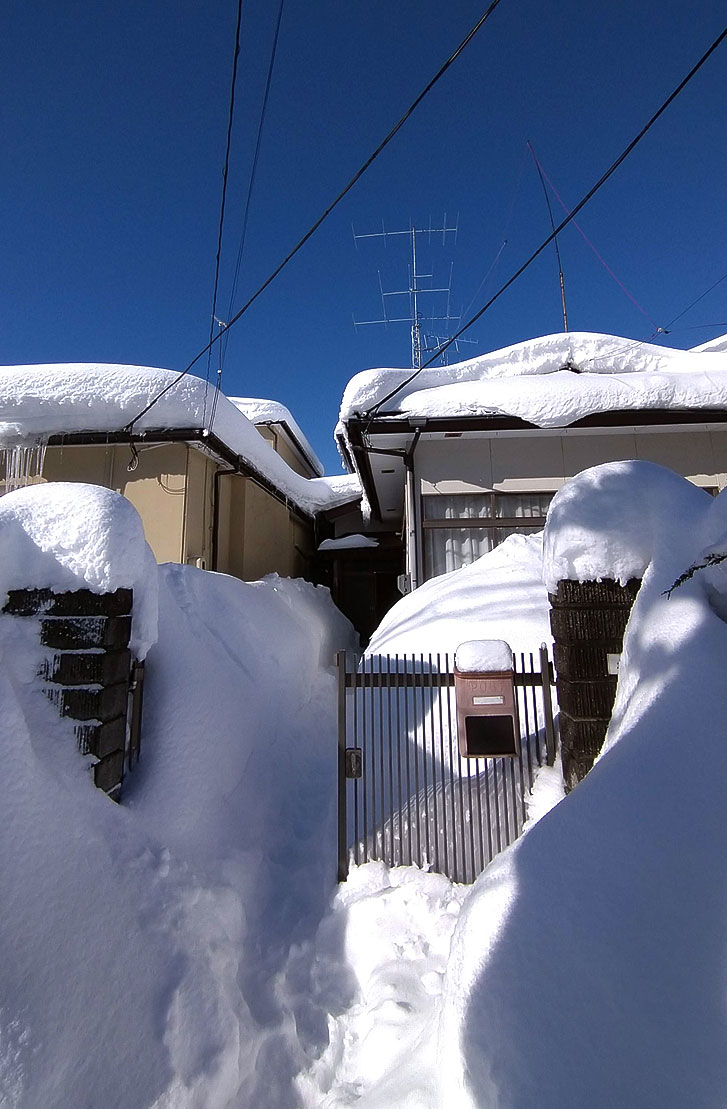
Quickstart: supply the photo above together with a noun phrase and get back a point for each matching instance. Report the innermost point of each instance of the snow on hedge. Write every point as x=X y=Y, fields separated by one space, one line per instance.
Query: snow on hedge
x=607 y=521
x=586 y=967
x=66 y=536
x=550 y=382
x=39 y=401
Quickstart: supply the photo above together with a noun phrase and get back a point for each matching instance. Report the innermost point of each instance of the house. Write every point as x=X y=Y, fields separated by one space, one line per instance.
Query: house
x=454 y=459
x=212 y=490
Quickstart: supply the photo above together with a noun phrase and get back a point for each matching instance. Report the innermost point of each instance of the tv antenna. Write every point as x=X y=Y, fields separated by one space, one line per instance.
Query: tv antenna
x=421 y=342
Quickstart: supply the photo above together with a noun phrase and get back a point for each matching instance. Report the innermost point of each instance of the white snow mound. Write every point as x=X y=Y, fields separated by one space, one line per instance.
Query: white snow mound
x=65 y=536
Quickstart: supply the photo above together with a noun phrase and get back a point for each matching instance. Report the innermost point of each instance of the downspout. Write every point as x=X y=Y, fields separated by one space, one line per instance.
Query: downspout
x=414 y=568
x=216 y=513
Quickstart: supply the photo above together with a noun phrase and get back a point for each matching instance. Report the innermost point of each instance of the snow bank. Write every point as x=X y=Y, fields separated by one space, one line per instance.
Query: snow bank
x=39 y=401
x=500 y=594
x=477 y=656
x=607 y=521
x=551 y=382
x=146 y=946
x=65 y=536
x=586 y=967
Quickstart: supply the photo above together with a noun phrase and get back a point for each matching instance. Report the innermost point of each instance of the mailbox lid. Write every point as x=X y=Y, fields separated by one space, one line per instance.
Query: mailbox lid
x=483 y=656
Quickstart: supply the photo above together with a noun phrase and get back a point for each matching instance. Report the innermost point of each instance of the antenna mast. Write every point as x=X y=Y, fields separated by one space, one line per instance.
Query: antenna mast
x=415 y=291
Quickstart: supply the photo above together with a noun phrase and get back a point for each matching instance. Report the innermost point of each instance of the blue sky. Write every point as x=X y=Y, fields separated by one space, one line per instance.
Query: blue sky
x=114 y=121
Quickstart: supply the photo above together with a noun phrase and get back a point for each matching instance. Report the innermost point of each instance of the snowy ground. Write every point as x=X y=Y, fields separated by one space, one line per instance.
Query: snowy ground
x=189 y=949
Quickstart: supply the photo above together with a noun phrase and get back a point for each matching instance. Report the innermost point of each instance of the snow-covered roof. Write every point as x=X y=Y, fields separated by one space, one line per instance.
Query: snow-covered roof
x=41 y=401
x=550 y=382
x=260 y=411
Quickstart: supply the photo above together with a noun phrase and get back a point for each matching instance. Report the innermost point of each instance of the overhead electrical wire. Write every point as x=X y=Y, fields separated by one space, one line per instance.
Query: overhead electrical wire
x=246 y=213
x=225 y=171
x=581 y=232
x=314 y=227
x=546 y=242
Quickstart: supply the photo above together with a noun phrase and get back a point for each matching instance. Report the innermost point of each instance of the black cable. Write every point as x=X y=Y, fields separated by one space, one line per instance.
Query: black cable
x=581 y=204
x=253 y=171
x=230 y=117
x=246 y=214
x=700 y=297
x=311 y=231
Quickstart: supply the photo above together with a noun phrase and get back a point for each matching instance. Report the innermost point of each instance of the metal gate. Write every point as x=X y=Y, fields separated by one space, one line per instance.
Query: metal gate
x=405 y=794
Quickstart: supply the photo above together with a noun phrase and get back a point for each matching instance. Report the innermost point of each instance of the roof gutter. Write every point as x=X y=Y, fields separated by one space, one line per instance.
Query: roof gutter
x=195 y=435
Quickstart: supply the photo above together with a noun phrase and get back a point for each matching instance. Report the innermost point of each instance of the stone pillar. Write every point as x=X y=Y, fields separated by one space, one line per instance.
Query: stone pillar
x=87 y=671
x=588 y=620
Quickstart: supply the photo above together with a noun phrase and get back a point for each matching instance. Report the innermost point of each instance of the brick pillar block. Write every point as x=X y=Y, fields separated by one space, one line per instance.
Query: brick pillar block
x=588 y=620
x=88 y=676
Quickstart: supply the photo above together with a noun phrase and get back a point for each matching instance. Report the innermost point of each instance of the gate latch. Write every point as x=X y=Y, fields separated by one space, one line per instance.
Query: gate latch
x=354 y=762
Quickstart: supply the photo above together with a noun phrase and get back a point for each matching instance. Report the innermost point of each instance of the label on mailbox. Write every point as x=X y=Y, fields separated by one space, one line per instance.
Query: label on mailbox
x=497 y=700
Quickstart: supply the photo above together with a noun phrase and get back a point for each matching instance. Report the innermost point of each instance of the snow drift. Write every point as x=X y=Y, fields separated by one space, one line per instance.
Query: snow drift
x=146 y=946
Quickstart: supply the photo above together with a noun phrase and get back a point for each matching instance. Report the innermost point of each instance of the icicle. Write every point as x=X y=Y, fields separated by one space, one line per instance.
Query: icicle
x=23 y=465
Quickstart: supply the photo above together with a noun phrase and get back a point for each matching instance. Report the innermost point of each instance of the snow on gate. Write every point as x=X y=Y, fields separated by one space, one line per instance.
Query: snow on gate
x=405 y=794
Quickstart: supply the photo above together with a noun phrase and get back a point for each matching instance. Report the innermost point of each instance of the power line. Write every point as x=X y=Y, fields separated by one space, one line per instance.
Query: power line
x=311 y=231
x=581 y=204
x=230 y=117
x=246 y=215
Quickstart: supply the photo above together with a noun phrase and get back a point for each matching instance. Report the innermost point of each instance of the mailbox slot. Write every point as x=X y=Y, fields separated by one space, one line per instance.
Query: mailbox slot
x=487 y=719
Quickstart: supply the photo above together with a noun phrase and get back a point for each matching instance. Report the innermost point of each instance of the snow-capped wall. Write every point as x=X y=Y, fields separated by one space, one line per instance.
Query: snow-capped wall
x=65 y=536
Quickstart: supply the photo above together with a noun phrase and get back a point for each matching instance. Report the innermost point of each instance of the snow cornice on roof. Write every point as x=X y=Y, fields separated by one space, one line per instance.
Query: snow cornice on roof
x=81 y=402
x=268 y=413
x=550 y=382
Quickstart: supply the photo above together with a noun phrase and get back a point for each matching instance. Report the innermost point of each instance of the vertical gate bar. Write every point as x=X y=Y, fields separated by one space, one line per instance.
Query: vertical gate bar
x=434 y=767
x=407 y=752
x=515 y=806
x=547 y=704
x=366 y=757
x=533 y=693
x=460 y=790
x=342 y=852
x=440 y=695
x=480 y=833
x=392 y=860
x=416 y=764
x=496 y=791
x=526 y=719
x=488 y=808
x=425 y=795
x=356 y=781
x=452 y=821
x=380 y=831
x=518 y=827
x=470 y=810
x=399 y=796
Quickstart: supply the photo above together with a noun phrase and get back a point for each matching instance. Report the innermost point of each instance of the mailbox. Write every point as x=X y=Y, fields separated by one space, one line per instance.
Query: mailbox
x=484 y=684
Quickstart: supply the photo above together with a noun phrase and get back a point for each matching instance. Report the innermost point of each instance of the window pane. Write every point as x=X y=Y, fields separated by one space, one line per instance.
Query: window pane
x=457 y=506
x=522 y=504
x=448 y=549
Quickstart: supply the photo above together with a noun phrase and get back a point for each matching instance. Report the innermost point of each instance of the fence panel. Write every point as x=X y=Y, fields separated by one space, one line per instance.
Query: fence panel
x=406 y=795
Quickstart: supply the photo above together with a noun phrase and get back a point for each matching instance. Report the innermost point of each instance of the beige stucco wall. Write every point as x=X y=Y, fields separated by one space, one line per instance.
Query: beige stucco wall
x=278 y=439
x=542 y=461
x=172 y=488
x=257 y=533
